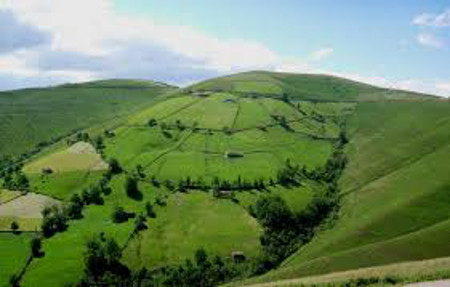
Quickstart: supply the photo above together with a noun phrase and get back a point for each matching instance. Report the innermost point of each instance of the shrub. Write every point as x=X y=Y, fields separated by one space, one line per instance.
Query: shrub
x=114 y=166
x=120 y=215
x=132 y=188
x=36 y=245
x=150 y=210
x=14 y=227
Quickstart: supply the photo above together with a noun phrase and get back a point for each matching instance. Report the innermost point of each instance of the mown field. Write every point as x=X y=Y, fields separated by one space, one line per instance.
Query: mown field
x=36 y=116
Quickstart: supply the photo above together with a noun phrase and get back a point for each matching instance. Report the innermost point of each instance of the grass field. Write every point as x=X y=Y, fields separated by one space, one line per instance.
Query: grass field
x=191 y=221
x=14 y=250
x=396 y=192
x=32 y=116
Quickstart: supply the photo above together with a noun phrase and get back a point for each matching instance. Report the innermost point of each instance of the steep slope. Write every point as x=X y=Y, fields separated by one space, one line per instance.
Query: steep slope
x=34 y=117
x=396 y=192
x=305 y=87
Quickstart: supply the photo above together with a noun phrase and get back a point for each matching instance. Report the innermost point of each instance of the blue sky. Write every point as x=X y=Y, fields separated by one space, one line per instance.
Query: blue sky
x=404 y=44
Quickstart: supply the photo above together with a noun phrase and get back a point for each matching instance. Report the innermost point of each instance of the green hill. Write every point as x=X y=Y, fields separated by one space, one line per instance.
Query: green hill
x=33 y=117
x=201 y=164
x=305 y=87
x=395 y=192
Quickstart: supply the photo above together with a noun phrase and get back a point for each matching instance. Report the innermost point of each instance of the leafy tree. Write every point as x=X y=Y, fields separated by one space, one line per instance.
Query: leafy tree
x=132 y=188
x=36 y=245
x=75 y=208
x=114 y=166
x=54 y=220
x=152 y=122
x=139 y=223
x=14 y=227
x=102 y=262
x=120 y=215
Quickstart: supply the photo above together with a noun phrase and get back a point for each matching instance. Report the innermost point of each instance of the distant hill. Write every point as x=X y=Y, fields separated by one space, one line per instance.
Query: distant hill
x=30 y=117
x=305 y=87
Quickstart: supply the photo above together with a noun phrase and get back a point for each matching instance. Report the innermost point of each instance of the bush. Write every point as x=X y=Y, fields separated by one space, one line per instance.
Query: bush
x=54 y=220
x=114 y=166
x=132 y=188
x=150 y=210
x=36 y=245
x=14 y=227
x=120 y=215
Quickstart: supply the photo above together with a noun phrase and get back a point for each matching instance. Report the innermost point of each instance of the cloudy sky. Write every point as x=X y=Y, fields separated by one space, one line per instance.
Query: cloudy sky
x=402 y=44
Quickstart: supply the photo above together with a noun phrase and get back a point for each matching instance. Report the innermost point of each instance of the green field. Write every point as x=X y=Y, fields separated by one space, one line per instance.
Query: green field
x=394 y=192
x=14 y=250
x=33 y=116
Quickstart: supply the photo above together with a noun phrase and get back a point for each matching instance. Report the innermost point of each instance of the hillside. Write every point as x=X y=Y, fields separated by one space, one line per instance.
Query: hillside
x=36 y=117
x=395 y=192
x=306 y=87
x=296 y=175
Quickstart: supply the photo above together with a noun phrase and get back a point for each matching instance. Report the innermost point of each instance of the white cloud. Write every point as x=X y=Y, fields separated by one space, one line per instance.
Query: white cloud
x=322 y=54
x=429 y=40
x=433 y=20
x=90 y=40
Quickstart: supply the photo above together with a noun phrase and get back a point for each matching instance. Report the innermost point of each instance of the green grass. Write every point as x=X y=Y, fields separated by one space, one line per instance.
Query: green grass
x=63 y=185
x=66 y=161
x=304 y=87
x=396 y=202
x=395 y=188
x=7 y=195
x=14 y=251
x=31 y=116
x=401 y=273
x=191 y=221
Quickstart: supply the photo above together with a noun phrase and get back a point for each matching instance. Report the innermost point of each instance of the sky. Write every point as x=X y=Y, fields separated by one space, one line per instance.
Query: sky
x=396 y=44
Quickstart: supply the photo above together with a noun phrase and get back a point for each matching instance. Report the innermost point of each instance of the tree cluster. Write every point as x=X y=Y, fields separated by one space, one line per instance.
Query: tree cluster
x=15 y=179
x=54 y=220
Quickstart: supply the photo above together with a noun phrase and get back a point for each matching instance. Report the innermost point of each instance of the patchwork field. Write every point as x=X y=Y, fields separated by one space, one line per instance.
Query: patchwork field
x=25 y=210
x=201 y=158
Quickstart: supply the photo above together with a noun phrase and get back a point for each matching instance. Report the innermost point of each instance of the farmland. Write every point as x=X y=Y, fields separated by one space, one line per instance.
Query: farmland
x=196 y=163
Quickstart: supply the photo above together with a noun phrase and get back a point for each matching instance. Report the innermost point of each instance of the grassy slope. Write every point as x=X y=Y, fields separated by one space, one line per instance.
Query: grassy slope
x=305 y=86
x=416 y=271
x=31 y=116
x=396 y=192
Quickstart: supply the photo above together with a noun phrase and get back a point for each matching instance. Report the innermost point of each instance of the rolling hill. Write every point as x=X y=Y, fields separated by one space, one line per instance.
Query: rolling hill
x=204 y=156
x=36 y=117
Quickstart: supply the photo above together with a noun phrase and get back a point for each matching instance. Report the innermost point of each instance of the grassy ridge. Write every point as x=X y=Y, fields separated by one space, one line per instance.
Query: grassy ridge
x=305 y=87
x=32 y=116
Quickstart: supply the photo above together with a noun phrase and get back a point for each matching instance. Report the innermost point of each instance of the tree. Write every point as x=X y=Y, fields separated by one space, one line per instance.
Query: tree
x=114 y=166
x=75 y=208
x=36 y=245
x=152 y=122
x=14 y=227
x=54 y=220
x=150 y=210
x=102 y=261
x=132 y=189
x=120 y=215
x=139 y=223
